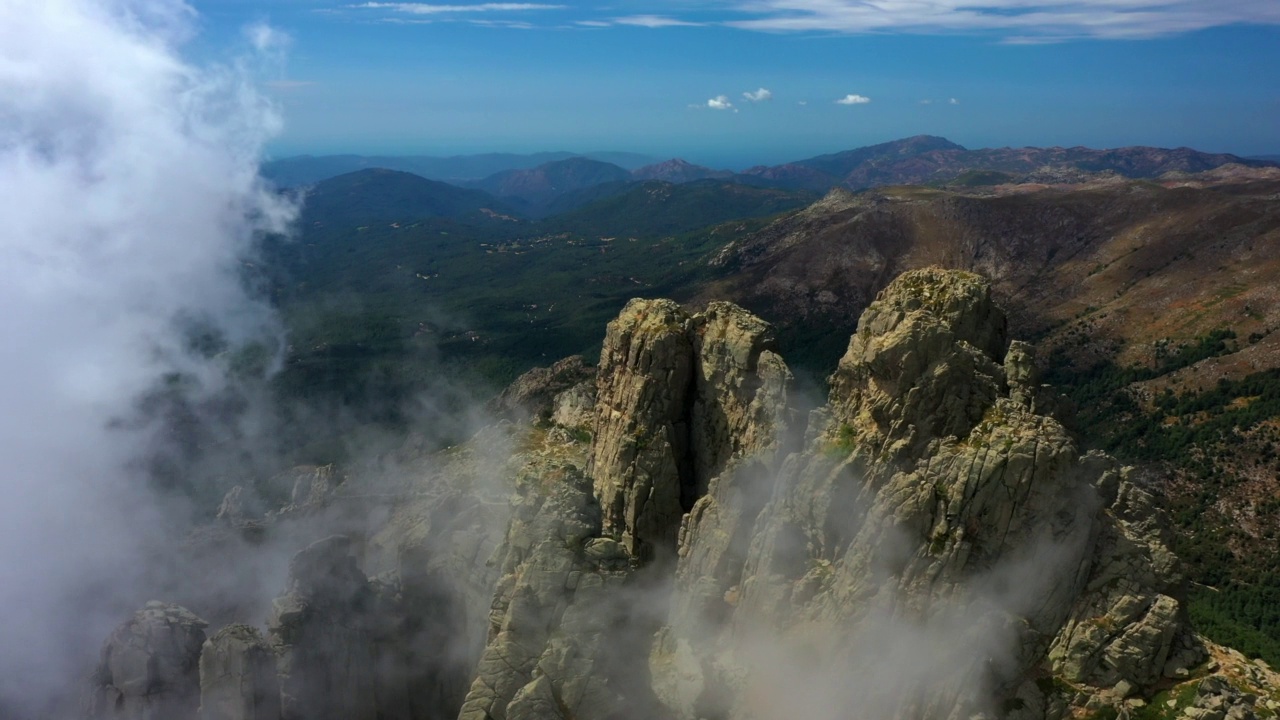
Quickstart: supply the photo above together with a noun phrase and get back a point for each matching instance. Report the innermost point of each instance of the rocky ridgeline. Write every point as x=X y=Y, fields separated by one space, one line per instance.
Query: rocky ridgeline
x=681 y=540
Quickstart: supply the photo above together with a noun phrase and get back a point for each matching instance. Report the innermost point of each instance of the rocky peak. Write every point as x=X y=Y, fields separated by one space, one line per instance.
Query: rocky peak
x=677 y=171
x=678 y=397
x=926 y=361
x=640 y=456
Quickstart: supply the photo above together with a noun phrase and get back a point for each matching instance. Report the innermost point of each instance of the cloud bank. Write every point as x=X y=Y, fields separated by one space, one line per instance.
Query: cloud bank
x=131 y=199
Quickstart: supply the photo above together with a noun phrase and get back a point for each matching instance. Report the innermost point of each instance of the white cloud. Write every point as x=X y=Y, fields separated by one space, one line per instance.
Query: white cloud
x=1025 y=20
x=953 y=101
x=131 y=197
x=803 y=102
x=926 y=102
x=720 y=102
x=758 y=96
x=593 y=23
x=653 y=21
x=852 y=99
x=431 y=9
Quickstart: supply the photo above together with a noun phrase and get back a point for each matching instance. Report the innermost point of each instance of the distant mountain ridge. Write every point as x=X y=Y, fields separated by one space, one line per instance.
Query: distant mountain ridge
x=535 y=187
x=544 y=184
x=379 y=195
x=926 y=159
x=310 y=169
x=678 y=171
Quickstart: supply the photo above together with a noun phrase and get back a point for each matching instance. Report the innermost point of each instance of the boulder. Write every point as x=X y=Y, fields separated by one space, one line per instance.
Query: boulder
x=150 y=667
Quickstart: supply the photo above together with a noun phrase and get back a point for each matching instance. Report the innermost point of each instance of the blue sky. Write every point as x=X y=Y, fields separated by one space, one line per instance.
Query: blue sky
x=671 y=77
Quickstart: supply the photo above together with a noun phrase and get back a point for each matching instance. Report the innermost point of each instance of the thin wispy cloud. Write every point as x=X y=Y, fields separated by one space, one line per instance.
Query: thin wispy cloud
x=517 y=24
x=654 y=21
x=758 y=96
x=953 y=101
x=432 y=9
x=852 y=99
x=1022 y=20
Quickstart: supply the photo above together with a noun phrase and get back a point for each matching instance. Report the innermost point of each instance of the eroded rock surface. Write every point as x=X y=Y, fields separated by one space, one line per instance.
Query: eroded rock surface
x=640 y=459
x=532 y=394
x=238 y=676
x=150 y=667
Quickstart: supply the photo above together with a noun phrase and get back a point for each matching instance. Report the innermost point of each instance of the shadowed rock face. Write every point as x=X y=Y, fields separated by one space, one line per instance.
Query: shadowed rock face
x=320 y=632
x=150 y=667
x=238 y=676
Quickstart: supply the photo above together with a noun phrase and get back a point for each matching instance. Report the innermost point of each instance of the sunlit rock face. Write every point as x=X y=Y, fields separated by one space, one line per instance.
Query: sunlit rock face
x=679 y=396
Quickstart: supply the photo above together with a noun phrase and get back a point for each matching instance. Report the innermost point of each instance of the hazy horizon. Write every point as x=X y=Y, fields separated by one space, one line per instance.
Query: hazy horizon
x=728 y=161
x=729 y=83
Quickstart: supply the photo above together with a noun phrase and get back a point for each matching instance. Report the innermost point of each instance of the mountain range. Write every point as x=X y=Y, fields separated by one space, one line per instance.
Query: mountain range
x=539 y=189
x=307 y=169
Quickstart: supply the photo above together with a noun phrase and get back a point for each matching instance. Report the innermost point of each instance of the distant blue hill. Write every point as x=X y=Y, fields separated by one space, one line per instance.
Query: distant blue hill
x=310 y=169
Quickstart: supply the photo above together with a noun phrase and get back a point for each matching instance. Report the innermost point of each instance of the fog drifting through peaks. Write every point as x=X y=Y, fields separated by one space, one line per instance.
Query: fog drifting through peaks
x=130 y=196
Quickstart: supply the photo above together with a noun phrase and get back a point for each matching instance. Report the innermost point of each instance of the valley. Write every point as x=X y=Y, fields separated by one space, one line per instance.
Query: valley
x=1149 y=301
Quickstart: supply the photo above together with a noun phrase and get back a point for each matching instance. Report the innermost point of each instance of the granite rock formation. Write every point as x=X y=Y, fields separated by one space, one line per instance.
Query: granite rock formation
x=150 y=667
x=238 y=676
x=677 y=539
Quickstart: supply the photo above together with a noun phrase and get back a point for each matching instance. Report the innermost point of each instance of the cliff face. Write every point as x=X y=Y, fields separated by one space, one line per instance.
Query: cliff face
x=929 y=543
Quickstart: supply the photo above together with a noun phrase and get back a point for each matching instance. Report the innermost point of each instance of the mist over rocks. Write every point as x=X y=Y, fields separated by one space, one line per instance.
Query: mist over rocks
x=132 y=203
x=150 y=667
x=695 y=543
x=238 y=679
